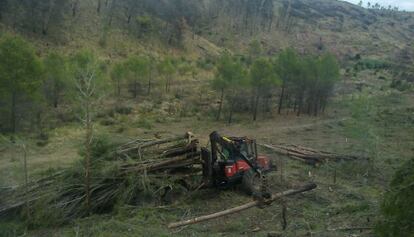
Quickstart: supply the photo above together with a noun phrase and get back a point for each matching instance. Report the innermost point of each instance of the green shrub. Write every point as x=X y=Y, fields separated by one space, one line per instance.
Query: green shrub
x=400 y=85
x=355 y=207
x=398 y=205
x=205 y=64
x=11 y=229
x=144 y=123
x=371 y=64
x=102 y=148
x=42 y=139
x=106 y=113
x=108 y=121
x=123 y=110
x=42 y=216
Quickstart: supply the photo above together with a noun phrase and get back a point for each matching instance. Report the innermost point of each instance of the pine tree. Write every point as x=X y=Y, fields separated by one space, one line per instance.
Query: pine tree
x=20 y=73
x=262 y=79
x=118 y=73
x=87 y=78
x=288 y=67
x=167 y=70
x=137 y=69
x=56 y=70
x=229 y=80
x=397 y=206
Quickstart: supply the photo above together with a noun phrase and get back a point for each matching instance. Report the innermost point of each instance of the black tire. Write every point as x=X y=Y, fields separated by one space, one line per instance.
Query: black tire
x=251 y=182
x=207 y=167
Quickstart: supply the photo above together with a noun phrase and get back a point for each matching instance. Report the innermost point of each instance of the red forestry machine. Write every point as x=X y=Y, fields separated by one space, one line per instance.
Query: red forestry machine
x=234 y=160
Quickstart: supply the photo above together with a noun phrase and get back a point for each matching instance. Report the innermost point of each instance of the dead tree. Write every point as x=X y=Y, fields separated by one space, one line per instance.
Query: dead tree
x=74 y=5
x=86 y=85
x=98 y=8
x=26 y=180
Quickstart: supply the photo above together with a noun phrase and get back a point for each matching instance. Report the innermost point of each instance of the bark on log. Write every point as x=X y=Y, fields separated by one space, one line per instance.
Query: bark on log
x=246 y=206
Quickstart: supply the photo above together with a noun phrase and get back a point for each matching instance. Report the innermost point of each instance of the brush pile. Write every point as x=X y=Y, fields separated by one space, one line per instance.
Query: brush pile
x=136 y=172
x=308 y=155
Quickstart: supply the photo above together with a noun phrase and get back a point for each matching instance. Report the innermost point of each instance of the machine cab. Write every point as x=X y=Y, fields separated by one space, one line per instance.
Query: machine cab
x=230 y=158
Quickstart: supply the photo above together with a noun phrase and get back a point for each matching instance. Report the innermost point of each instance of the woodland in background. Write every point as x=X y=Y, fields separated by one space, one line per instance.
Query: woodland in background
x=302 y=84
x=33 y=85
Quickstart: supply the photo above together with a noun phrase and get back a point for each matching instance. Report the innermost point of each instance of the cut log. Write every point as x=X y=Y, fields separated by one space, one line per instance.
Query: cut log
x=246 y=206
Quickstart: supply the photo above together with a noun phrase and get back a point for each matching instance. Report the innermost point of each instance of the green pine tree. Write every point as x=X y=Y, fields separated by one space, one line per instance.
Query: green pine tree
x=398 y=206
x=20 y=73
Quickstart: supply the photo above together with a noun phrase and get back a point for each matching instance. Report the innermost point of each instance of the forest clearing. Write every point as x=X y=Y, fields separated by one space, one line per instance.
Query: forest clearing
x=206 y=118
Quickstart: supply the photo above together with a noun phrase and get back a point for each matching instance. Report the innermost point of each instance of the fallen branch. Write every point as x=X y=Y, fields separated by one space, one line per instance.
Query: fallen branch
x=246 y=206
x=360 y=228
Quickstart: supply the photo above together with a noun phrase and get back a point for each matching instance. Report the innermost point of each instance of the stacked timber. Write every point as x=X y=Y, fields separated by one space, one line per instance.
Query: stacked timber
x=308 y=155
x=160 y=155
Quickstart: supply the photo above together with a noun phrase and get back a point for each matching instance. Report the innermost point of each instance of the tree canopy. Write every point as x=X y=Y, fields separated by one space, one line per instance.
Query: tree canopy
x=304 y=83
x=20 y=73
x=20 y=68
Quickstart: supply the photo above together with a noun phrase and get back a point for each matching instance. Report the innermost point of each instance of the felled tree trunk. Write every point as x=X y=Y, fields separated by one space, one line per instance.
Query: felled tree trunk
x=279 y=111
x=246 y=206
x=221 y=105
x=13 y=112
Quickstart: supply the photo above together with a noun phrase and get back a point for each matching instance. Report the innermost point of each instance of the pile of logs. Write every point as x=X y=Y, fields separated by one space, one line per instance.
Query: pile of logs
x=308 y=155
x=159 y=155
x=167 y=147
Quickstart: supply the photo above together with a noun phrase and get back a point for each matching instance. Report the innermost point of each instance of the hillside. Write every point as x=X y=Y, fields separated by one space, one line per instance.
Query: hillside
x=115 y=28
x=95 y=93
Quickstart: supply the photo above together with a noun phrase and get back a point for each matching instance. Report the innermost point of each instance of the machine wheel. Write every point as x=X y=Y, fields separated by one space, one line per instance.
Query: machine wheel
x=207 y=167
x=251 y=183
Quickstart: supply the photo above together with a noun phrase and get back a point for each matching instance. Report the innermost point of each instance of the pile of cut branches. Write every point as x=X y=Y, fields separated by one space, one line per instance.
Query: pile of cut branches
x=133 y=172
